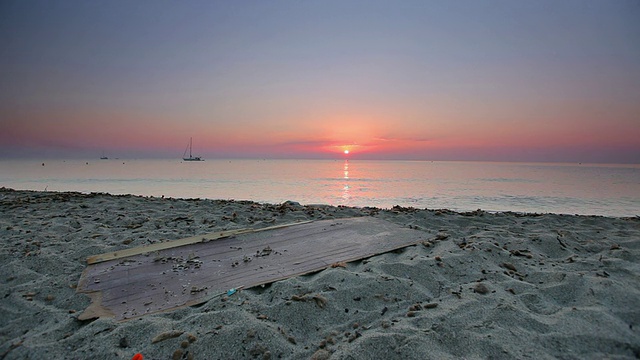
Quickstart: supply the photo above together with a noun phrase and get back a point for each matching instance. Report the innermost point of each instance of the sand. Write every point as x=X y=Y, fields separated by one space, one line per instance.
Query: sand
x=483 y=285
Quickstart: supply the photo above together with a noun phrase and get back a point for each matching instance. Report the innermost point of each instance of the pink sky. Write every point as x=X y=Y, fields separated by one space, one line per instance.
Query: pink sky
x=364 y=134
x=466 y=81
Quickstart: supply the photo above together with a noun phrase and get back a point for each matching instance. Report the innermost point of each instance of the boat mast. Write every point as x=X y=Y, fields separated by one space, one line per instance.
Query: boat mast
x=190 y=145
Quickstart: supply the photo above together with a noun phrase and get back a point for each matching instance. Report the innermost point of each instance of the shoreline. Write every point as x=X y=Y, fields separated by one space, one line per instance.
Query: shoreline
x=320 y=205
x=483 y=284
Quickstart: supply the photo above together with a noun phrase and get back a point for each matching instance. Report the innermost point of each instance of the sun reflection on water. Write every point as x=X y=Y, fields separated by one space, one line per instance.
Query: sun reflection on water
x=346 y=196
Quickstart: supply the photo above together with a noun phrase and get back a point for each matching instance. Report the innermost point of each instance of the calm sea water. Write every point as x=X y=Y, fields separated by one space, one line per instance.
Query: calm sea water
x=611 y=190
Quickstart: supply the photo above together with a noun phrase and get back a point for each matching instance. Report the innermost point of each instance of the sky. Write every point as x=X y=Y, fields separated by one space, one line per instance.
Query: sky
x=417 y=80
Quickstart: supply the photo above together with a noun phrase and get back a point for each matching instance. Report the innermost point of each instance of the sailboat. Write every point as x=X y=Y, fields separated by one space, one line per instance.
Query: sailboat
x=191 y=157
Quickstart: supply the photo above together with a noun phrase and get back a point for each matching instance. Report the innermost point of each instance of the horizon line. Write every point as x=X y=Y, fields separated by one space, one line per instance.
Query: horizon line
x=347 y=158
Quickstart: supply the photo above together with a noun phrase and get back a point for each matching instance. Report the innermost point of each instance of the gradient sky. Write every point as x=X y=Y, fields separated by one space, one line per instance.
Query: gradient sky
x=428 y=80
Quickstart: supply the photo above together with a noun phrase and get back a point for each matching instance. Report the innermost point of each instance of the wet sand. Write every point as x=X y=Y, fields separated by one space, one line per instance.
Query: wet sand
x=481 y=285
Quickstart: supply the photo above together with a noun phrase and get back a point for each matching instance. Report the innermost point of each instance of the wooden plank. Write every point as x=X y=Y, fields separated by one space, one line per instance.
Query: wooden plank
x=187 y=275
x=181 y=242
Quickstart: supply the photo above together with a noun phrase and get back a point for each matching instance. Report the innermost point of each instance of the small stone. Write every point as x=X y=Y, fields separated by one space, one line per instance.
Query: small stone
x=177 y=355
x=321 y=354
x=191 y=338
x=481 y=288
x=184 y=344
x=509 y=266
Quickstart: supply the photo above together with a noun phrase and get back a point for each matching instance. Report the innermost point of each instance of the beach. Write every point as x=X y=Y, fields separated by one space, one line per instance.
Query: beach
x=481 y=285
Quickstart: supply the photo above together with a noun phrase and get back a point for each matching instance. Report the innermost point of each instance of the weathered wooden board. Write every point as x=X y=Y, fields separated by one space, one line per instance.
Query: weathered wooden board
x=181 y=242
x=186 y=275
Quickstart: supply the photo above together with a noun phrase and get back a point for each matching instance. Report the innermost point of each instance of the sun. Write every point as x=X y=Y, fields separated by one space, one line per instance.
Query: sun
x=346 y=152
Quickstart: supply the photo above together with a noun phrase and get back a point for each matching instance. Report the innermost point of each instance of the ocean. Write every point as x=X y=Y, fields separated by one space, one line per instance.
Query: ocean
x=586 y=189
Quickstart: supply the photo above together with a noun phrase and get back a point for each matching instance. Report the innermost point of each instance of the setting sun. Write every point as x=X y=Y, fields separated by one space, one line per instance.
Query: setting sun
x=346 y=152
